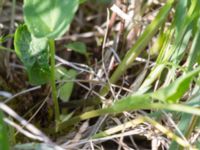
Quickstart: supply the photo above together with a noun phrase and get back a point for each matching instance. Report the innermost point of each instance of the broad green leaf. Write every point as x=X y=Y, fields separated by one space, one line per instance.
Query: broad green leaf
x=4 y=140
x=175 y=90
x=78 y=47
x=65 y=90
x=33 y=53
x=38 y=74
x=49 y=18
x=28 y=48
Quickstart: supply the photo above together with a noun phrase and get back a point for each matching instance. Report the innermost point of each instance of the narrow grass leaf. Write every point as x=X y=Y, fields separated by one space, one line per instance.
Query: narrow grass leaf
x=175 y=90
x=4 y=140
x=171 y=45
x=194 y=55
x=183 y=127
x=141 y=43
x=130 y=103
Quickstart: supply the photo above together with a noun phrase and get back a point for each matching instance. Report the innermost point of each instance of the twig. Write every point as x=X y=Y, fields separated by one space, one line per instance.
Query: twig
x=21 y=93
x=27 y=125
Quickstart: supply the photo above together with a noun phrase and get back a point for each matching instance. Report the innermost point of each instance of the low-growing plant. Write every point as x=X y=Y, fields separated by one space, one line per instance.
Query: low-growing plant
x=177 y=42
x=45 y=21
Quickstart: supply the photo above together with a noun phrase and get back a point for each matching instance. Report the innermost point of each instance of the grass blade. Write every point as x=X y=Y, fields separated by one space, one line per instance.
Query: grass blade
x=4 y=142
x=140 y=45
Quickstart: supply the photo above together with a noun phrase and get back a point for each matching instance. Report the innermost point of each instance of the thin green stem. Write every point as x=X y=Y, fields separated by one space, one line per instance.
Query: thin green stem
x=53 y=82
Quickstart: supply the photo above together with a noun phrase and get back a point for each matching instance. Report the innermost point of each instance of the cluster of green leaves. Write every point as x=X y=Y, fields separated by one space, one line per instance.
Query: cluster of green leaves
x=34 y=41
x=44 y=20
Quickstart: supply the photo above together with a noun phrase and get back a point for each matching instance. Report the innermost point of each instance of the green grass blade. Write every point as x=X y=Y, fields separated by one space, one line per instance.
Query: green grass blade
x=194 y=54
x=178 y=32
x=141 y=43
x=4 y=142
x=175 y=90
x=130 y=103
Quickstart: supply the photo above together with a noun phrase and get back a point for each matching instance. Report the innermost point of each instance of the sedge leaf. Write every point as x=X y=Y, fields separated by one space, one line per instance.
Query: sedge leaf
x=175 y=90
x=49 y=18
x=131 y=103
x=4 y=142
x=30 y=49
x=33 y=52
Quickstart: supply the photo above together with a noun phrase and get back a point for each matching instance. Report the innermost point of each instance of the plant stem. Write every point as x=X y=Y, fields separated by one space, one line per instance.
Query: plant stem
x=53 y=83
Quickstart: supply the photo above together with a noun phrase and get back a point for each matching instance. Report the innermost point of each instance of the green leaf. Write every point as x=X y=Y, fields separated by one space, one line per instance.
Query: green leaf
x=4 y=142
x=27 y=47
x=131 y=102
x=175 y=90
x=65 y=90
x=38 y=75
x=33 y=53
x=49 y=18
x=78 y=47
x=183 y=127
x=194 y=54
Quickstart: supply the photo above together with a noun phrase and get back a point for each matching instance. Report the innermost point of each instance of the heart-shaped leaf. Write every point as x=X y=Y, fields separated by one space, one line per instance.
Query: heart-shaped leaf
x=33 y=52
x=49 y=18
